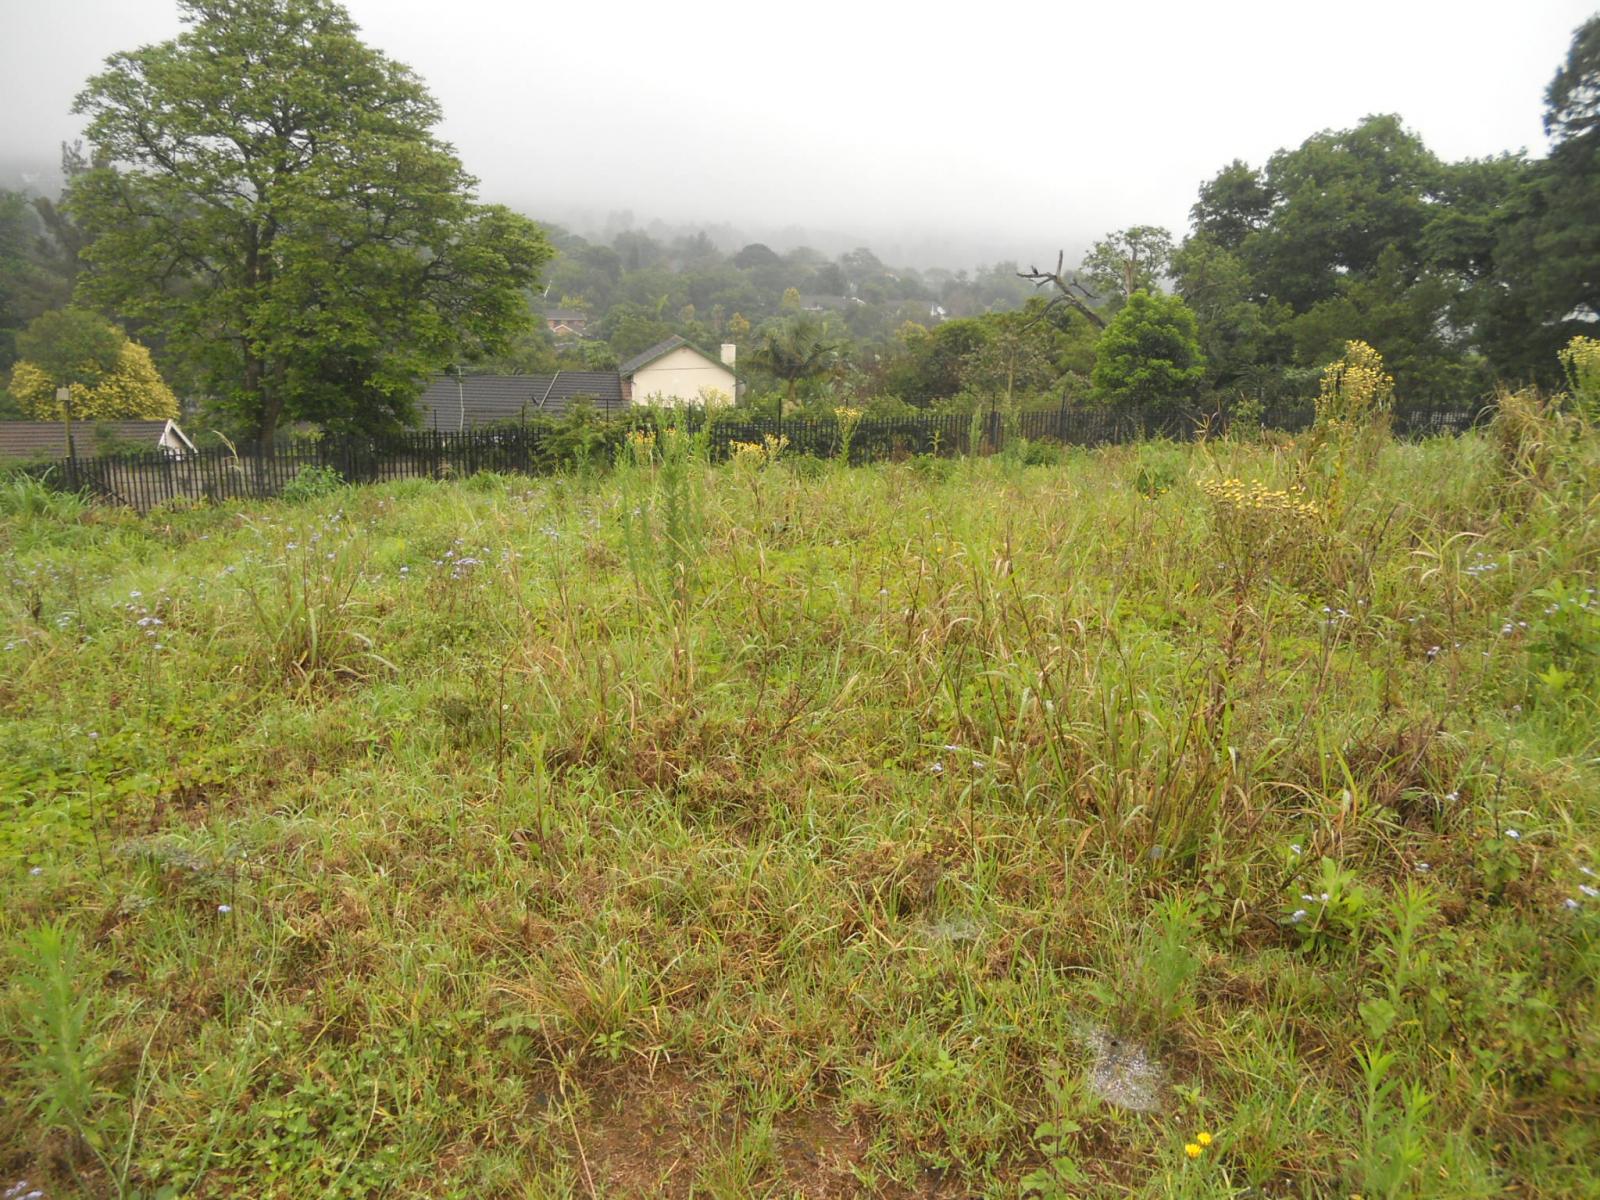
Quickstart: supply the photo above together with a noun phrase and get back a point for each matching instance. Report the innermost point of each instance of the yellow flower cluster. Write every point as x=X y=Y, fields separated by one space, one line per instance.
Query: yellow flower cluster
x=1235 y=498
x=1580 y=359
x=642 y=446
x=1198 y=1147
x=758 y=454
x=1354 y=387
x=847 y=416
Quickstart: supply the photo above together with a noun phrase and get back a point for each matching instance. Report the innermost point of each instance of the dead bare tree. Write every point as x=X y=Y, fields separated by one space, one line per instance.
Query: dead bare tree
x=1065 y=287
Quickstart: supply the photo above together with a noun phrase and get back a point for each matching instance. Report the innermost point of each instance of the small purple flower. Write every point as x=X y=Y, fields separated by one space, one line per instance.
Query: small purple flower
x=224 y=909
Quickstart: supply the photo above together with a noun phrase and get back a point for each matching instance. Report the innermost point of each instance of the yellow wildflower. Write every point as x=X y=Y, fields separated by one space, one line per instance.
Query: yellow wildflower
x=1203 y=1138
x=1194 y=1150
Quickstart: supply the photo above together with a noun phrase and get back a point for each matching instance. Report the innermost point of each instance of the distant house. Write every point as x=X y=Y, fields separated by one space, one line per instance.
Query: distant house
x=48 y=439
x=451 y=403
x=567 y=322
x=674 y=372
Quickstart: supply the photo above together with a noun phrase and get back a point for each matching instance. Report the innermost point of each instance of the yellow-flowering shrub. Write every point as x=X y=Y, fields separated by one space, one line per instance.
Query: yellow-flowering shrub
x=1580 y=360
x=134 y=390
x=848 y=419
x=758 y=454
x=642 y=447
x=1258 y=527
x=1352 y=422
x=1355 y=388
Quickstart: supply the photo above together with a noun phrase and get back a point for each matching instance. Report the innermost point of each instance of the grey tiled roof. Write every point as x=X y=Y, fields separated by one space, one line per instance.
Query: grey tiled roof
x=48 y=439
x=483 y=399
x=649 y=356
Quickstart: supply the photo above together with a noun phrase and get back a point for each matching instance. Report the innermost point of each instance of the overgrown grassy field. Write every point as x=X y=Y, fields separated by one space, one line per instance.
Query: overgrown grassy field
x=780 y=829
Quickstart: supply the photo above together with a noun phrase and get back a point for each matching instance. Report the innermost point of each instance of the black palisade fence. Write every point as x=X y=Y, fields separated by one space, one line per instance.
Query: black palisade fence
x=147 y=480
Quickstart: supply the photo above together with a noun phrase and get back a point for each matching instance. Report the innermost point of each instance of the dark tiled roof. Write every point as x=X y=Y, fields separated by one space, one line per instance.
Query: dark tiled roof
x=48 y=439
x=649 y=356
x=483 y=399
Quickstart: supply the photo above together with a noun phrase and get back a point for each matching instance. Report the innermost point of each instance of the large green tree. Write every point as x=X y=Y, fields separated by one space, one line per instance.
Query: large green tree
x=1354 y=234
x=1149 y=360
x=1547 y=260
x=1127 y=261
x=14 y=271
x=277 y=206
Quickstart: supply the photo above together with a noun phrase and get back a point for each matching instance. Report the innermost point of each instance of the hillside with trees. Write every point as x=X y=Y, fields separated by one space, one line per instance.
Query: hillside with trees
x=271 y=285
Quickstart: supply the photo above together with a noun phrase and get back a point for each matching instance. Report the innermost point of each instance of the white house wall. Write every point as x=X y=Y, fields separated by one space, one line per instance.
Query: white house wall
x=679 y=377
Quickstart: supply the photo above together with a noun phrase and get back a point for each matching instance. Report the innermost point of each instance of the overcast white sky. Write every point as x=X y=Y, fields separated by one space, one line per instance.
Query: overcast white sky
x=996 y=128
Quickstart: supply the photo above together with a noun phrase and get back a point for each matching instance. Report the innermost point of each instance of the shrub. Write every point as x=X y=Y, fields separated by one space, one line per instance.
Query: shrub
x=1031 y=452
x=1148 y=359
x=311 y=483
x=1159 y=466
x=933 y=468
x=1580 y=361
x=1355 y=390
x=1352 y=420
x=133 y=389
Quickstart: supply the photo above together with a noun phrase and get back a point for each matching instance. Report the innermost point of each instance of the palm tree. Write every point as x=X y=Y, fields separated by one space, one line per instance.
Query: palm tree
x=794 y=349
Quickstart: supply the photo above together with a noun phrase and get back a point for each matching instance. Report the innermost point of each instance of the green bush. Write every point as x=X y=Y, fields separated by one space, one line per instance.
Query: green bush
x=1157 y=467
x=1148 y=360
x=311 y=483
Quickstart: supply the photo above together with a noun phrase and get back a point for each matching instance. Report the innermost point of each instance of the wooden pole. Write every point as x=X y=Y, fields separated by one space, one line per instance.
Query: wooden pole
x=64 y=395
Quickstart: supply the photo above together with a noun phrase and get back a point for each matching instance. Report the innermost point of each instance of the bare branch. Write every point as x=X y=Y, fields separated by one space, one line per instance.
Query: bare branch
x=1065 y=287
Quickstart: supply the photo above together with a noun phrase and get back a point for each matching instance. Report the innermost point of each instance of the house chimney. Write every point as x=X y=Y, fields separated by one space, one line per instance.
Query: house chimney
x=729 y=350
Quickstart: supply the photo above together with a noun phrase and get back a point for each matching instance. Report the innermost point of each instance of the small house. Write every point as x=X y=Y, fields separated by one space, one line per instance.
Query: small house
x=675 y=372
x=567 y=322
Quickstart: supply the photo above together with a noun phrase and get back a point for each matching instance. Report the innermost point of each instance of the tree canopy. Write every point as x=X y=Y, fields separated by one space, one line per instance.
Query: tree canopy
x=796 y=348
x=69 y=347
x=276 y=207
x=110 y=376
x=1149 y=358
x=132 y=388
x=1122 y=263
